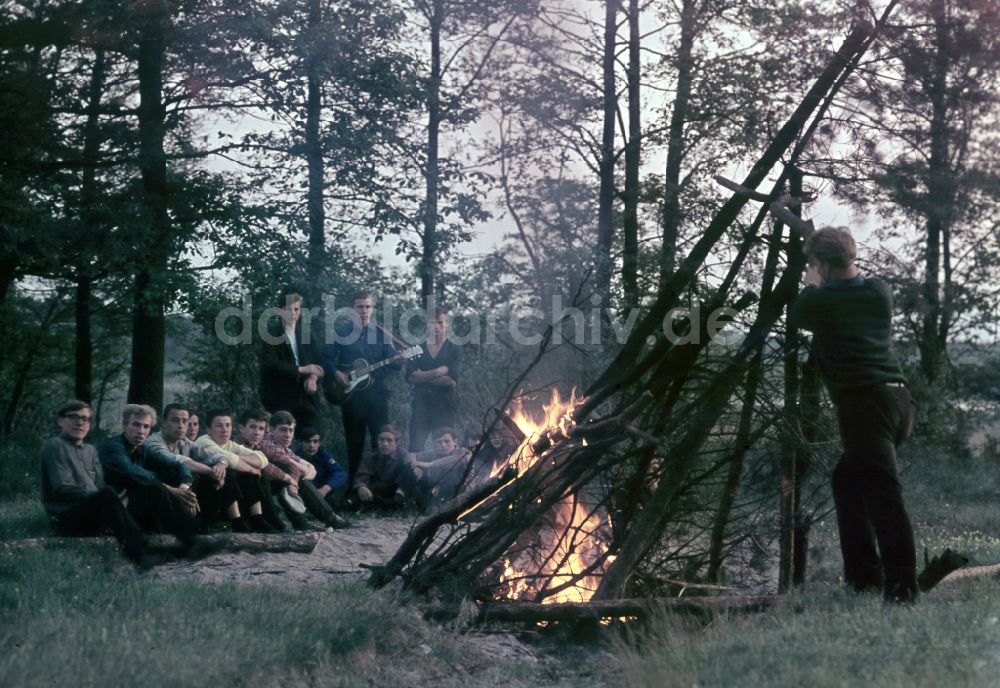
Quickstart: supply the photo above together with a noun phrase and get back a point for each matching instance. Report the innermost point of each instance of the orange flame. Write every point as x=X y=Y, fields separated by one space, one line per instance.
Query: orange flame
x=572 y=541
x=557 y=418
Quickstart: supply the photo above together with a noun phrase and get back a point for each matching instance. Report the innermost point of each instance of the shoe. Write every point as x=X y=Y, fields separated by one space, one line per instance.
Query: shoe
x=398 y=498
x=338 y=522
x=299 y=521
x=276 y=523
x=238 y=525
x=259 y=525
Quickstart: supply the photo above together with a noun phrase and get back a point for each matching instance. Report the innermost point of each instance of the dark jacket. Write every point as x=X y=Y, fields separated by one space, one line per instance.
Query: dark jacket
x=382 y=468
x=329 y=473
x=851 y=322
x=127 y=467
x=281 y=384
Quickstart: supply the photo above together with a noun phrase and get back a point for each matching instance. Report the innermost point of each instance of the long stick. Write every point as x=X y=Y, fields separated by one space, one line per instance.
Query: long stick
x=533 y=612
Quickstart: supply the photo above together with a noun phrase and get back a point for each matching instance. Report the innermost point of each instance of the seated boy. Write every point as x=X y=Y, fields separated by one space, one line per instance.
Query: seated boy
x=215 y=484
x=384 y=477
x=299 y=473
x=331 y=477
x=255 y=502
x=74 y=493
x=440 y=471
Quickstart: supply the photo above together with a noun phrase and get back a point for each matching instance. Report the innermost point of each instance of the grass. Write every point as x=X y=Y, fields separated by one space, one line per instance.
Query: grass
x=951 y=638
x=81 y=616
x=826 y=636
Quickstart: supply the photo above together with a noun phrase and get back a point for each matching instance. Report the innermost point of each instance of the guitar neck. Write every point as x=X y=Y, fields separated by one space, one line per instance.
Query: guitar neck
x=380 y=364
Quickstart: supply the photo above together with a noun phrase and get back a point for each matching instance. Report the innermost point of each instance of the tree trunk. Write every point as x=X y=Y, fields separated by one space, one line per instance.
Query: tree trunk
x=83 y=354
x=24 y=370
x=630 y=218
x=314 y=160
x=429 y=257
x=809 y=410
x=940 y=197
x=83 y=368
x=675 y=146
x=791 y=451
x=149 y=310
x=788 y=498
x=606 y=162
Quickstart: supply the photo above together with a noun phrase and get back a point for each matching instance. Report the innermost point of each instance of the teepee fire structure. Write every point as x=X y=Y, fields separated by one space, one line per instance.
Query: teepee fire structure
x=559 y=522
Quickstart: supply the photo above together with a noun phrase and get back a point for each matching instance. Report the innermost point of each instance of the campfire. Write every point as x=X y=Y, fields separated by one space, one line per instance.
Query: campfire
x=562 y=558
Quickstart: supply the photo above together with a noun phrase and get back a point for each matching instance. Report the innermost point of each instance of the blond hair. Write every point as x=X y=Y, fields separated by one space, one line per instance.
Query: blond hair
x=140 y=410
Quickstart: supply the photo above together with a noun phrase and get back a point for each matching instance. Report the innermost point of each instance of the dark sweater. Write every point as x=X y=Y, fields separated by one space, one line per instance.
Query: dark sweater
x=851 y=320
x=70 y=473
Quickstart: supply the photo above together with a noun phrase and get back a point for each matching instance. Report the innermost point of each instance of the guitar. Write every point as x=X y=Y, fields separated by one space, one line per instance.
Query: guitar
x=359 y=376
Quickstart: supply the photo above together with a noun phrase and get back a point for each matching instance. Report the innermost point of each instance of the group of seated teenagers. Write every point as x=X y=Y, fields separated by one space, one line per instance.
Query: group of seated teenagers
x=177 y=481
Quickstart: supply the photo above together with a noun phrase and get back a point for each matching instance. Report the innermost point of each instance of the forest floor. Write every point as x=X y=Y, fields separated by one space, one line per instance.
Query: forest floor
x=80 y=616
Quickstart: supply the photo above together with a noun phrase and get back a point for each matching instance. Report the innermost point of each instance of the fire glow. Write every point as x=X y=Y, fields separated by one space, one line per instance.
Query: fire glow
x=565 y=556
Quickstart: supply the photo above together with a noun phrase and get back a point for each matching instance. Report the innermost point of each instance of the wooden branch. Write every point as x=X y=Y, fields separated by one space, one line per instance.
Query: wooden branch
x=532 y=612
x=990 y=571
x=741 y=190
x=254 y=543
x=780 y=210
x=426 y=529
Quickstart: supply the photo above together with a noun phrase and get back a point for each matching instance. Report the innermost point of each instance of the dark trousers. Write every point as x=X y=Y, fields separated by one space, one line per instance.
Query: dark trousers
x=103 y=511
x=868 y=494
x=363 y=413
x=158 y=511
x=427 y=414
x=262 y=491
x=213 y=500
x=315 y=504
x=336 y=497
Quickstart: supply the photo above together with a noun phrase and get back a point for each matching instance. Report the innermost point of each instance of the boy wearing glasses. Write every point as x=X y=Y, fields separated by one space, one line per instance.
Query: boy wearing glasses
x=79 y=501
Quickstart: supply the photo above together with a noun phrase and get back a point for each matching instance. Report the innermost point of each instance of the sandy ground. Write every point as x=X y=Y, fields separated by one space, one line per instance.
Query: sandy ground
x=373 y=541
x=339 y=553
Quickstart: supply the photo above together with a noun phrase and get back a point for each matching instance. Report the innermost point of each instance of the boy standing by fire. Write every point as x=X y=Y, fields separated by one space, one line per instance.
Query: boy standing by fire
x=850 y=317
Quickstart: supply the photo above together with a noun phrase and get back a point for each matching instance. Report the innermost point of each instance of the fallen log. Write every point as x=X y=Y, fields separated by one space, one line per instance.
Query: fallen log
x=570 y=612
x=990 y=571
x=254 y=543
